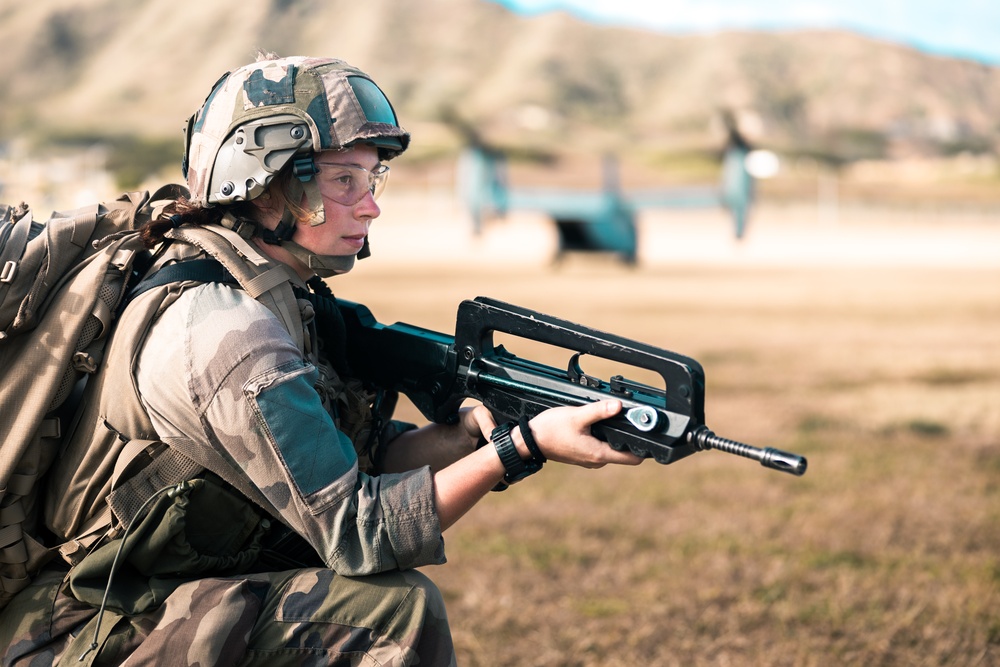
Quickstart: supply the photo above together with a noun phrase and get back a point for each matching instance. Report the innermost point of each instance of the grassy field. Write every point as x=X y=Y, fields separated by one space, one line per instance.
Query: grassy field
x=887 y=377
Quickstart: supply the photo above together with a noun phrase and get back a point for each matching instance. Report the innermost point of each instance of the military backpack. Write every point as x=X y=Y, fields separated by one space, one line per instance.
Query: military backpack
x=63 y=285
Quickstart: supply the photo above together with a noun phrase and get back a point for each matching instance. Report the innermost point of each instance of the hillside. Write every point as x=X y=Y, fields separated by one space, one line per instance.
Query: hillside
x=112 y=68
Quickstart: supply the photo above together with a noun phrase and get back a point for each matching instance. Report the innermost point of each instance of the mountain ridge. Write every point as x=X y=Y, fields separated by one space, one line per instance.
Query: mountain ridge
x=111 y=67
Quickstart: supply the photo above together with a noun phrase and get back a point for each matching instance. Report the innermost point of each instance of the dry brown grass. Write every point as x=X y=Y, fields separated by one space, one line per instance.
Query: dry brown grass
x=884 y=553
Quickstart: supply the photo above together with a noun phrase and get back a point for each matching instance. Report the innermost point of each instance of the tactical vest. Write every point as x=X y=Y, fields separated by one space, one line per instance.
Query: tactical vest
x=112 y=462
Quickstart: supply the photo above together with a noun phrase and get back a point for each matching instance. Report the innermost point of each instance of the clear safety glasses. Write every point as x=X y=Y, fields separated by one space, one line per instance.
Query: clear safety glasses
x=347 y=184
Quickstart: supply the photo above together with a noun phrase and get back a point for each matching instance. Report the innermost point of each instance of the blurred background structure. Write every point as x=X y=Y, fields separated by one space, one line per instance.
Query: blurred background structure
x=844 y=303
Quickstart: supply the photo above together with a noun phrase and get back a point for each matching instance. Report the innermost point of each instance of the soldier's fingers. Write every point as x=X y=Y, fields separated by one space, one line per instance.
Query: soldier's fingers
x=595 y=412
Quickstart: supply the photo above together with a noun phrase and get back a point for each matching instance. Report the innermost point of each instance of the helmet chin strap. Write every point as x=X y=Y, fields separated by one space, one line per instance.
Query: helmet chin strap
x=324 y=266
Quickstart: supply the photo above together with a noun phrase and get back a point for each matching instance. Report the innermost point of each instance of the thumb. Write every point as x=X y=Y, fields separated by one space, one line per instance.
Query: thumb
x=595 y=412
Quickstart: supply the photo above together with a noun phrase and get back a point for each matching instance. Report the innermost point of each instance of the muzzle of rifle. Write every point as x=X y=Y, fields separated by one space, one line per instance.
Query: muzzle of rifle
x=703 y=438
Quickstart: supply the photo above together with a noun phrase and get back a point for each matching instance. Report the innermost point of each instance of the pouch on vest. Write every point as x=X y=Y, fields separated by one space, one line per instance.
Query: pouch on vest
x=197 y=529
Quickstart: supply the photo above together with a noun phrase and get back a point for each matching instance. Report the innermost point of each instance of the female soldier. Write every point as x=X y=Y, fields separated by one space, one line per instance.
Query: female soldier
x=309 y=507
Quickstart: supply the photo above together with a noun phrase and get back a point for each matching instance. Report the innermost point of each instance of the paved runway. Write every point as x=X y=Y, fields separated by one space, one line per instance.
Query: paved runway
x=421 y=227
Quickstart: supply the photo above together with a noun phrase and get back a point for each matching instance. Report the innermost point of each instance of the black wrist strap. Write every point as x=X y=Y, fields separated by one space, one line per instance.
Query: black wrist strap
x=516 y=468
x=529 y=440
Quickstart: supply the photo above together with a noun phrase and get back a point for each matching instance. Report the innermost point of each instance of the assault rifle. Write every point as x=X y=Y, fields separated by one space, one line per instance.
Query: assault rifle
x=438 y=372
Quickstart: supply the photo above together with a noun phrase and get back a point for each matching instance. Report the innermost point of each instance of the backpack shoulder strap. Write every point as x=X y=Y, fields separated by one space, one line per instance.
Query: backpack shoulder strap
x=262 y=278
x=198 y=270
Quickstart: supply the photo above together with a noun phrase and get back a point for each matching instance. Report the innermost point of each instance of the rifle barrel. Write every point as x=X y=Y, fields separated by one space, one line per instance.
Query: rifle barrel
x=770 y=457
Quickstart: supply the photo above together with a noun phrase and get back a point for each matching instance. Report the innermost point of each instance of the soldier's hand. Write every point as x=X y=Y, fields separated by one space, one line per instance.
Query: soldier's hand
x=563 y=434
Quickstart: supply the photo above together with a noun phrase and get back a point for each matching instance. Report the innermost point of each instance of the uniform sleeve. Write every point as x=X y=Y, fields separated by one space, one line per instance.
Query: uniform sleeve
x=220 y=370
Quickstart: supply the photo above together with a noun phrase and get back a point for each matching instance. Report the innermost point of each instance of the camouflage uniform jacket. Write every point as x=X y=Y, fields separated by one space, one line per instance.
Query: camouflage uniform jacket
x=218 y=368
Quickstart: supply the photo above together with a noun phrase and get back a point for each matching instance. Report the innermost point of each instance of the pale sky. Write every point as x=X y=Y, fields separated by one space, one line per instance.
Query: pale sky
x=964 y=28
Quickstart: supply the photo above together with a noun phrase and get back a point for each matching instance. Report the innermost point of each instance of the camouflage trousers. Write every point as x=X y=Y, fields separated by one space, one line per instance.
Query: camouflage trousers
x=299 y=617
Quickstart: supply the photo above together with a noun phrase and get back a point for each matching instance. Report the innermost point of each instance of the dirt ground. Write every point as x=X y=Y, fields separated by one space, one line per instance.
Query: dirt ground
x=868 y=341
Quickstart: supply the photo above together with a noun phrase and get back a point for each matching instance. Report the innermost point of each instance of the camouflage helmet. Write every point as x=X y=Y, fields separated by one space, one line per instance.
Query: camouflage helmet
x=264 y=116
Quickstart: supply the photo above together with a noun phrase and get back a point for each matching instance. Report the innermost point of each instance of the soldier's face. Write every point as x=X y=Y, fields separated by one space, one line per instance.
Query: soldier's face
x=346 y=225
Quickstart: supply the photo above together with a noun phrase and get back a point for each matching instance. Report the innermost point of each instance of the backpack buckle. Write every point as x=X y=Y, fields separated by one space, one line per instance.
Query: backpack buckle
x=8 y=271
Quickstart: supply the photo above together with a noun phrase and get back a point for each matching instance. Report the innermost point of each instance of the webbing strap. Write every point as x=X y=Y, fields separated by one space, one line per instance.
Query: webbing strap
x=129 y=452
x=197 y=270
x=12 y=585
x=12 y=548
x=10 y=535
x=102 y=313
x=21 y=484
x=15 y=554
x=13 y=513
x=81 y=233
x=210 y=271
x=266 y=281
x=246 y=249
x=74 y=550
x=49 y=428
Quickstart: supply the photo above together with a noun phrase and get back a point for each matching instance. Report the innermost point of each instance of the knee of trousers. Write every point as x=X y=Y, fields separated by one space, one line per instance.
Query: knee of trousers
x=398 y=602
x=428 y=591
x=404 y=612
